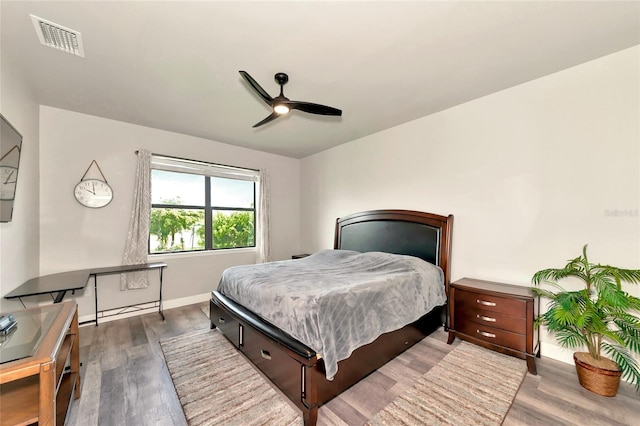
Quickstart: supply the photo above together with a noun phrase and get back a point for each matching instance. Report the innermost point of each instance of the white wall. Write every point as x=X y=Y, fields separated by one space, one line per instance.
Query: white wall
x=76 y=237
x=19 y=239
x=531 y=174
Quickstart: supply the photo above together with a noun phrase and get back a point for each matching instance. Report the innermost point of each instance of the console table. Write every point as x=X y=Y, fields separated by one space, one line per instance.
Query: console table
x=121 y=270
x=60 y=283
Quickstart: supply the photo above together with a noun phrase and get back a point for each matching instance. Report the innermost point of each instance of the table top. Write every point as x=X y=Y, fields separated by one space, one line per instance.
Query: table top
x=64 y=281
x=127 y=268
x=496 y=287
x=33 y=326
x=72 y=280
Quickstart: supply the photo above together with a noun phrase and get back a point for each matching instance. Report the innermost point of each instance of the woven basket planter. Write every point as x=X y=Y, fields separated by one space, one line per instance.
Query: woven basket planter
x=603 y=379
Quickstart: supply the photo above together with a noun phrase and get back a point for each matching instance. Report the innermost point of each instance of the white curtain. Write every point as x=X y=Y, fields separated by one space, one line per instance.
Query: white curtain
x=263 y=240
x=136 y=247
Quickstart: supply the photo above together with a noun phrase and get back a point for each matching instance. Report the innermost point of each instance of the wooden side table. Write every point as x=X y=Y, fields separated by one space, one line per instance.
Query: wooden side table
x=34 y=384
x=496 y=316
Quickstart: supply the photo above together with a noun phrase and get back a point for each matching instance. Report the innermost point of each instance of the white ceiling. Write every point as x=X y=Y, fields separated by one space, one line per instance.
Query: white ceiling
x=174 y=65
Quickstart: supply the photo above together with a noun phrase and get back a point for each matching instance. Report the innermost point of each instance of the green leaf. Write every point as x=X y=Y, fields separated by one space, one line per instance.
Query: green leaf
x=627 y=364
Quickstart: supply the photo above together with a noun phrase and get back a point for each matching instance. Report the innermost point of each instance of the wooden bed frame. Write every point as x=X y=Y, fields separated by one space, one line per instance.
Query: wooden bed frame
x=295 y=368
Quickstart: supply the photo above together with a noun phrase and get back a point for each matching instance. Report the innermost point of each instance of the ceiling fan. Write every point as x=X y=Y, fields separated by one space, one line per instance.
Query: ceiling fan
x=282 y=105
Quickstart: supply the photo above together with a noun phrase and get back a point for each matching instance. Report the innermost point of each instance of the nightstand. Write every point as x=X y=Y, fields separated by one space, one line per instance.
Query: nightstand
x=496 y=316
x=300 y=256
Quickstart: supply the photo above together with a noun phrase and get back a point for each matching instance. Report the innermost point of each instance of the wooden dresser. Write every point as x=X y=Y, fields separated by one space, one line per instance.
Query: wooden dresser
x=496 y=316
x=35 y=386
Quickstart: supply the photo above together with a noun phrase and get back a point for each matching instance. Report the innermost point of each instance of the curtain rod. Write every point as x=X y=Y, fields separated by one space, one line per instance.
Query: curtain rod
x=206 y=162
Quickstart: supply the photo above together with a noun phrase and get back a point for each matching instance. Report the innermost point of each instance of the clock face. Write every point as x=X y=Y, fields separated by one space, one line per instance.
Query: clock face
x=8 y=177
x=93 y=193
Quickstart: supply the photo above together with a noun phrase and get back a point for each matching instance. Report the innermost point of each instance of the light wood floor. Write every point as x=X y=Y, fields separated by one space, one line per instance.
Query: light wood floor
x=125 y=381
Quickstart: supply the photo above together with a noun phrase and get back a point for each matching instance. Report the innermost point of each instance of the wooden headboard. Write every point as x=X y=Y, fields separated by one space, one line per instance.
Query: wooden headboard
x=413 y=233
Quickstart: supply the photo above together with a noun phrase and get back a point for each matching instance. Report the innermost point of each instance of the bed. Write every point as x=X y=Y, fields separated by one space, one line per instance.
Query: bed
x=296 y=369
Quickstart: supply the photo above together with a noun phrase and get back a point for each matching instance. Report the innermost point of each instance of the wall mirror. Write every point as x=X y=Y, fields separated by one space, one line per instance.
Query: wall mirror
x=10 y=147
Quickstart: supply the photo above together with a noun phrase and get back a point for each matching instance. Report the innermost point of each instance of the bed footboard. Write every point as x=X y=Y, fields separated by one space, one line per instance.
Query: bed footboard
x=294 y=368
x=288 y=363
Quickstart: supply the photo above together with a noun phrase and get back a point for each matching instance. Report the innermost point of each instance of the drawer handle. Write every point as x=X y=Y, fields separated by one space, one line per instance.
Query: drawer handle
x=221 y=320
x=488 y=319
x=241 y=336
x=265 y=354
x=485 y=303
x=485 y=334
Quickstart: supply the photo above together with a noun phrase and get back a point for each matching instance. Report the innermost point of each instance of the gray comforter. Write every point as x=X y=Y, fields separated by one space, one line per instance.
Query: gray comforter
x=335 y=301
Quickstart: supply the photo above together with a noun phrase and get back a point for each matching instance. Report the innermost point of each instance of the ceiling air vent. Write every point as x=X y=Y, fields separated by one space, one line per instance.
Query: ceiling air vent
x=58 y=37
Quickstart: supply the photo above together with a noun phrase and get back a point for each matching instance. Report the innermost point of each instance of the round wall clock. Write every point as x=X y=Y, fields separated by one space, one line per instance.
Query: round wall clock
x=93 y=193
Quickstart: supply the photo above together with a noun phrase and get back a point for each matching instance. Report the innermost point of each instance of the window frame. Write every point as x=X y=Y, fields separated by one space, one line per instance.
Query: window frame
x=208 y=171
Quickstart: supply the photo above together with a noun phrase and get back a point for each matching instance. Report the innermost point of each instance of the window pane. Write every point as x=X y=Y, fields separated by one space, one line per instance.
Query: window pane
x=233 y=229
x=176 y=188
x=176 y=230
x=231 y=193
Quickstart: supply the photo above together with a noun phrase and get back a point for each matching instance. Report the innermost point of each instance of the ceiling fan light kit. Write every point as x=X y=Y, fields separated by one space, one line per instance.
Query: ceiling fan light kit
x=281 y=105
x=281 y=109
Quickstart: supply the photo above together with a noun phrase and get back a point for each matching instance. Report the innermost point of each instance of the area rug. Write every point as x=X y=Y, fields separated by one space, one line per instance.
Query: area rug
x=470 y=386
x=216 y=385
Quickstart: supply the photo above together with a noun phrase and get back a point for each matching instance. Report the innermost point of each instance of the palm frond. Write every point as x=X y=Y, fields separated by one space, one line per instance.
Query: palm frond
x=544 y=293
x=631 y=276
x=610 y=295
x=629 y=331
x=634 y=303
x=551 y=276
x=569 y=338
x=612 y=336
x=627 y=363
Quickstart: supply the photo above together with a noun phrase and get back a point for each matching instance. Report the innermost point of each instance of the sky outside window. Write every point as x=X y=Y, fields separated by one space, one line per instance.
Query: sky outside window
x=231 y=192
x=189 y=189
x=167 y=186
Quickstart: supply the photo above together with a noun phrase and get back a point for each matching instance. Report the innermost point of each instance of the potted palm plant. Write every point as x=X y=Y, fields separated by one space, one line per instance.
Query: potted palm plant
x=601 y=316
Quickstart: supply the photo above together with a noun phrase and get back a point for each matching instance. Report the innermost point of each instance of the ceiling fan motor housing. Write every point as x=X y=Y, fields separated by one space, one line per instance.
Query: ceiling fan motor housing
x=281 y=78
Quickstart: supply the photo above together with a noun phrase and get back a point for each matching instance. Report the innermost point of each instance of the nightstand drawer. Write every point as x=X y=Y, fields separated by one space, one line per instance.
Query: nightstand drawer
x=468 y=301
x=492 y=319
x=493 y=335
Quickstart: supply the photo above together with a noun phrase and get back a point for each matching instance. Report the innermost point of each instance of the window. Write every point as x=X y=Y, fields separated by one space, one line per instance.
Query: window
x=200 y=206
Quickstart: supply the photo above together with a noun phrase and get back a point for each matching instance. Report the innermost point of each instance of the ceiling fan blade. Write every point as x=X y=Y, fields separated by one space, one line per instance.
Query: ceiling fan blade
x=314 y=108
x=257 y=88
x=272 y=117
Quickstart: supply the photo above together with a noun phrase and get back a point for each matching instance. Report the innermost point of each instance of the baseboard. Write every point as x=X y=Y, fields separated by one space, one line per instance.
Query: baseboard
x=184 y=301
x=549 y=350
x=148 y=308
x=559 y=353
